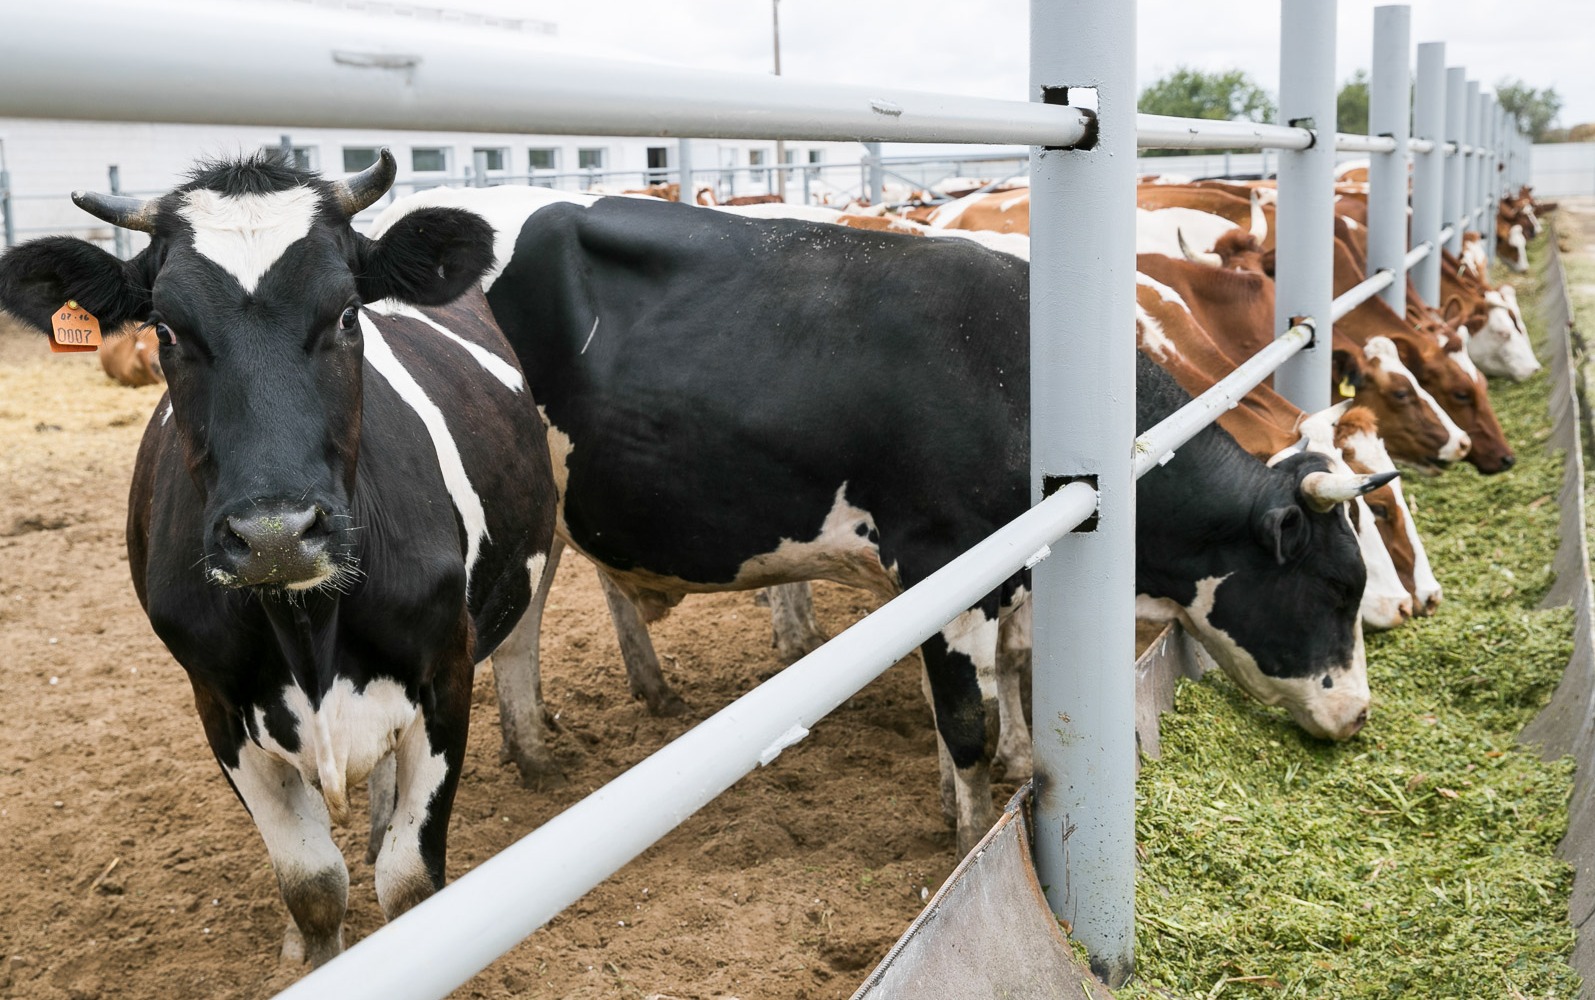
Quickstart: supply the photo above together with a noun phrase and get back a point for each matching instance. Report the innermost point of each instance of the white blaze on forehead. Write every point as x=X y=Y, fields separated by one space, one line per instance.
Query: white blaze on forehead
x=1381 y=351
x=506 y=208
x=386 y=364
x=1384 y=594
x=495 y=365
x=246 y=234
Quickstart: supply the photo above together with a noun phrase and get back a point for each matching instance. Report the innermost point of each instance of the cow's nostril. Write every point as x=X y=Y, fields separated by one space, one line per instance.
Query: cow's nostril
x=1508 y=462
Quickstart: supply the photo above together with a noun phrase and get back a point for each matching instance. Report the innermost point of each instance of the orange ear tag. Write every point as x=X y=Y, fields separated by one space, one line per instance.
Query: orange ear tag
x=76 y=330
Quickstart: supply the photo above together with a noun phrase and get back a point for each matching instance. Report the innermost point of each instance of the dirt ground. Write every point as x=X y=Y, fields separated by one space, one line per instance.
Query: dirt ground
x=130 y=870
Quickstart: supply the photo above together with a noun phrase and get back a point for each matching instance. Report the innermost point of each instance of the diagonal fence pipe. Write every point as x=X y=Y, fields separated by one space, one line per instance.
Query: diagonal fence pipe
x=438 y=945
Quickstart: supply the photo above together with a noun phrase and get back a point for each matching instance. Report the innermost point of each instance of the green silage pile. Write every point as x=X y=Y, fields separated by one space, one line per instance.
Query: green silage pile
x=1418 y=859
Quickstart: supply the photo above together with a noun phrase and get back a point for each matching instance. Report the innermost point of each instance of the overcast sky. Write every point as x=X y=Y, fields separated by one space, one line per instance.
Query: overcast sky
x=945 y=45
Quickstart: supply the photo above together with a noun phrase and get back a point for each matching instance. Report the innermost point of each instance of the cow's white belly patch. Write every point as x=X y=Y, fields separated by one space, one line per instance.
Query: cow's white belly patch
x=466 y=501
x=246 y=234
x=845 y=550
x=342 y=739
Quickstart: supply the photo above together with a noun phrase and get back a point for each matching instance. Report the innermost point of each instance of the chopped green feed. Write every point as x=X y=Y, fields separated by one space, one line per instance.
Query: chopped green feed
x=1418 y=859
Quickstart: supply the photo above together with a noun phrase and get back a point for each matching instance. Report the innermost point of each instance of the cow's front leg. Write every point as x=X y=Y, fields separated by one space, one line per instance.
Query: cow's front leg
x=382 y=789
x=518 y=678
x=1013 y=664
x=429 y=757
x=293 y=821
x=961 y=665
x=637 y=650
x=796 y=631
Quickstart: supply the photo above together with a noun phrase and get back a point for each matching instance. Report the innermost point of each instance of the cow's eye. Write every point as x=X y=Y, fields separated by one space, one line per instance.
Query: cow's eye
x=165 y=334
x=1380 y=511
x=1462 y=395
x=1401 y=395
x=349 y=319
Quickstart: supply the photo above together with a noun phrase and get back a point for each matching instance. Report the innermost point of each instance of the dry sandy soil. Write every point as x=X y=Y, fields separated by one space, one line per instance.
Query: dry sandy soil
x=130 y=870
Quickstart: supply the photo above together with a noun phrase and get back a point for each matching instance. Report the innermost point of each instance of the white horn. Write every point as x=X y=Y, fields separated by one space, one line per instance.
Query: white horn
x=1259 y=220
x=1322 y=490
x=1210 y=259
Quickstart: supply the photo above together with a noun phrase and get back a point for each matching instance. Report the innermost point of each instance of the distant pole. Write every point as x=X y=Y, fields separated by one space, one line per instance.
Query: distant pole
x=780 y=144
x=5 y=208
x=118 y=234
x=286 y=144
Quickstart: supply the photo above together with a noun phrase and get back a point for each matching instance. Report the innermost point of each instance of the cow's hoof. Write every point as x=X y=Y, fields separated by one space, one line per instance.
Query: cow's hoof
x=1017 y=766
x=293 y=945
x=665 y=704
x=538 y=770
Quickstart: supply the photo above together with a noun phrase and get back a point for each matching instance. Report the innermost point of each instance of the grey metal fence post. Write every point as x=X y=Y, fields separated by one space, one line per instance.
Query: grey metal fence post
x=1306 y=215
x=479 y=166
x=1456 y=93
x=1429 y=169
x=1082 y=399
x=684 y=167
x=876 y=172
x=118 y=234
x=285 y=144
x=1490 y=184
x=1470 y=166
x=6 y=208
x=1388 y=114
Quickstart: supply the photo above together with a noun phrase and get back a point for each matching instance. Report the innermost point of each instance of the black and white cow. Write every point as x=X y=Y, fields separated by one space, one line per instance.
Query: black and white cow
x=341 y=506
x=736 y=403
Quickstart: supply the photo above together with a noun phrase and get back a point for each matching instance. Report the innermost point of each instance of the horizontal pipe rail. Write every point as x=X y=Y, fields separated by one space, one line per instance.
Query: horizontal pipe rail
x=1159 y=443
x=1164 y=132
x=314 y=67
x=1446 y=234
x=1360 y=293
x=1364 y=143
x=1419 y=254
x=1421 y=145
x=504 y=899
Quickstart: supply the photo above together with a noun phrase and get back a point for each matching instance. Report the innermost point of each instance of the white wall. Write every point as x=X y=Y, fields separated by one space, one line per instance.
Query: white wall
x=49 y=159
x=1563 y=168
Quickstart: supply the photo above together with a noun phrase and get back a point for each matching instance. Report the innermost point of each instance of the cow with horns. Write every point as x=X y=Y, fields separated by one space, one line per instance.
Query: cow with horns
x=735 y=403
x=341 y=506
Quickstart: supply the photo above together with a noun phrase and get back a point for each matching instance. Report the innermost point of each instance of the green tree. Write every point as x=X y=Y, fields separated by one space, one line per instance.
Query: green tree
x=1535 y=109
x=1351 y=105
x=1193 y=93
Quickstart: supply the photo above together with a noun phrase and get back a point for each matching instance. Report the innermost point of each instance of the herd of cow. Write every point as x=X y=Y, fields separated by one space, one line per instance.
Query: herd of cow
x=373 y=450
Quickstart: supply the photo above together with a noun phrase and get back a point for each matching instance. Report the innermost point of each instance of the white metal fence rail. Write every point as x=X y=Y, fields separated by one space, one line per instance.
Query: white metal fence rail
x=380 y=74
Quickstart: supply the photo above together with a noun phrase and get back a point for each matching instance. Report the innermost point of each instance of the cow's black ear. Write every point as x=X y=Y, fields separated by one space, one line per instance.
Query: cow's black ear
x=1283 y=531
x=427 y=258
x=38 y=277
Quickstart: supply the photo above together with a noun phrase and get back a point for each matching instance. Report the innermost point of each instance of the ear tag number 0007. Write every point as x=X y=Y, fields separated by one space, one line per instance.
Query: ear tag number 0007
x=74 y=330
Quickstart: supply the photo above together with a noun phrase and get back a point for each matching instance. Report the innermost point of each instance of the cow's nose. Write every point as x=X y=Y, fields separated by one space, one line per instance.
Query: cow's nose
x=1356 y=724
x=281 y=546
x=1508 y=461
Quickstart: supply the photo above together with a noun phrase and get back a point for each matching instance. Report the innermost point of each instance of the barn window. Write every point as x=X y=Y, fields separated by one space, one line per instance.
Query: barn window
x=542 y=159
x=816 y=156
x=303 y=157
x=429 y=159
x=590 y=159
x=357 y=158
x=755 y=157
x=496 y=158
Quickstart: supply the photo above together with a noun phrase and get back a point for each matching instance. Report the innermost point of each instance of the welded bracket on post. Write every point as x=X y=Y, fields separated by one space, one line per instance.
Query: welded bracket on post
x=1052 y=484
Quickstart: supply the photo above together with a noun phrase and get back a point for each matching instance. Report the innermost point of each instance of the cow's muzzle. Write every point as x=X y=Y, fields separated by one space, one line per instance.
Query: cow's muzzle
x=273 y=546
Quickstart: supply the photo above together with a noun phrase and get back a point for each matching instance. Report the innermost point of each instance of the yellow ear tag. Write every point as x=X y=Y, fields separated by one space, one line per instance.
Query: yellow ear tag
x=76 y=330
x=1346 y=389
